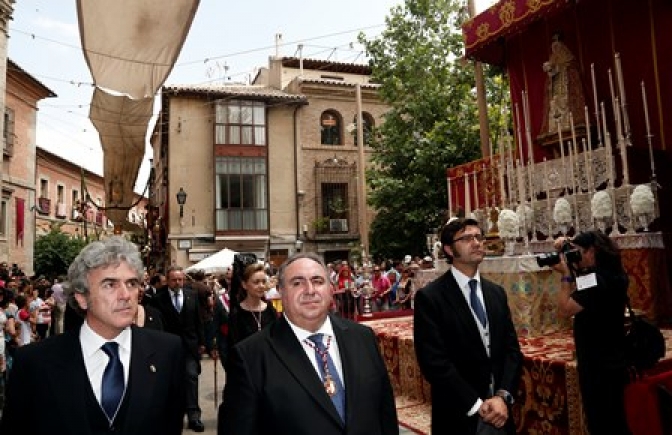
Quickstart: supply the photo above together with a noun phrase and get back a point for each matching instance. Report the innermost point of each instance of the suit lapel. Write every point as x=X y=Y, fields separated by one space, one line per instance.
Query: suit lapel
x=347 y=343
x=461 y=308
x=291 y=353
x=187 y=299
x=69 y=374
x=167 y=302
x=491 y=308
x=142 y=374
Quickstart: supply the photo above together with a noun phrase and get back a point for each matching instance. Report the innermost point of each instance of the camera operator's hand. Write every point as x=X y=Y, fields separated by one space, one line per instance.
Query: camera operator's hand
x=562 y=265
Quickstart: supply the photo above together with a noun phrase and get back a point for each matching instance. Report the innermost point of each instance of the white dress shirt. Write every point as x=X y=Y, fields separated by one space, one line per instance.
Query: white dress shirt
x=463 y=283
x=180 y=297
x=328 y=331
x=95 y=359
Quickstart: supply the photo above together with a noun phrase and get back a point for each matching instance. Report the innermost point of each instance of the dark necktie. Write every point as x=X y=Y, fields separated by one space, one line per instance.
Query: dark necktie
x=476 y=304
x=326 y=365
x=176 y=296
x=113 y=380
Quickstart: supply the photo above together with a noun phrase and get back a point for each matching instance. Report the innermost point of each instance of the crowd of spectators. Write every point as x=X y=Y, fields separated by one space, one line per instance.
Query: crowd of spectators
x=376 y=287
x=31 y=309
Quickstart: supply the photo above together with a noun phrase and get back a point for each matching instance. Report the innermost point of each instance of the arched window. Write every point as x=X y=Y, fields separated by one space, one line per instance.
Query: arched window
x=367 y=127
x=330 y=126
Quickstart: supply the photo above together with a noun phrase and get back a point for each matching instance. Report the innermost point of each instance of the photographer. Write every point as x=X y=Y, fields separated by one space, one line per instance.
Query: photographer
x=593 y=289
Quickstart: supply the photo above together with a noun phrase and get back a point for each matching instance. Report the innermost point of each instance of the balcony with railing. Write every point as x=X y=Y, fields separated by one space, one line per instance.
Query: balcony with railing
x=44 y=206
x=61 y=211
x=8 y=147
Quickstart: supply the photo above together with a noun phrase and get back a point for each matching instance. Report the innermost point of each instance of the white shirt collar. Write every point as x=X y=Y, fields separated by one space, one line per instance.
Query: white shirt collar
x=91 y=341
x=462 y=279
x=302 y=334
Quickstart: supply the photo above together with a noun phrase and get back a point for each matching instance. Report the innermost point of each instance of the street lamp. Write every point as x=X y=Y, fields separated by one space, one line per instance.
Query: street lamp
x=181 y=199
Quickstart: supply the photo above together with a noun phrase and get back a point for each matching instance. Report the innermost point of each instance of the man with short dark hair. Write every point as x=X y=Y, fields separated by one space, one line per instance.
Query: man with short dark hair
x=309 y=372
x=465 y=340
x=179 y=308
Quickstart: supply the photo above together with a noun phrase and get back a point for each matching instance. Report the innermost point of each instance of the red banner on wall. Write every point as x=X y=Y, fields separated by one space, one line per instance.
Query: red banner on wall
x=20 y=221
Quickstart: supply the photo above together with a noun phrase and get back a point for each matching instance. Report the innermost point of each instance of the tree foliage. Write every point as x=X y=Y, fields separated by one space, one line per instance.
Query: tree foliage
x=432 y=123
x=55 y=251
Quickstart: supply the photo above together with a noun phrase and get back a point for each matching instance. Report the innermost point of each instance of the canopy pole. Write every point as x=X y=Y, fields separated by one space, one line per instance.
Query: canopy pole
x=480 y=97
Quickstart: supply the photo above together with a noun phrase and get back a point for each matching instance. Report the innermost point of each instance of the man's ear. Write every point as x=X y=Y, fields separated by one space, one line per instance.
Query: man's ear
x=81 y=301
x=448 y=250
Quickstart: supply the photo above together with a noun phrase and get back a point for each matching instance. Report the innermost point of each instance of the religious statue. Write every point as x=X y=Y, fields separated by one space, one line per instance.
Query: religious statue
x=564 y=90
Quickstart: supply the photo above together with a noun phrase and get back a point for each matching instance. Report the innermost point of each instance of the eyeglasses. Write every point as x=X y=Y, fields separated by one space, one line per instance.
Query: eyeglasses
x=470 y=238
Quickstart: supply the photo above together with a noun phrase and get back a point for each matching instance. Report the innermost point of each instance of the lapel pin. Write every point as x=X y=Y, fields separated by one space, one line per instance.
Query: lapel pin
x=152 y=368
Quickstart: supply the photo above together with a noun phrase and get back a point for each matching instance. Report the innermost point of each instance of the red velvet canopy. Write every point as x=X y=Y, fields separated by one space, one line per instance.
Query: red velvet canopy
x=516 y=34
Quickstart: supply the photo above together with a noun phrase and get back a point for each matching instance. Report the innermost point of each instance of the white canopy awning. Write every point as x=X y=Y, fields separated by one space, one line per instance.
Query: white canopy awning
x=216 y=263
x=132 y=45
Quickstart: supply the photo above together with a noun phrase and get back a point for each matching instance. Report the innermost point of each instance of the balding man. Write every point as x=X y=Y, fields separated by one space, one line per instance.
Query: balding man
x=310 y=372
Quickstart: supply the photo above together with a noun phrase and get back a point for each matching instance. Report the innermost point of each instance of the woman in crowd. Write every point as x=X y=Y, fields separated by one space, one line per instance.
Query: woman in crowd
x=7 y=333
x=147 y=316
x=25 y=321
x=597 y=303
x=344 y=286
x=404 y=291
x=381 y=290
x=252 y=312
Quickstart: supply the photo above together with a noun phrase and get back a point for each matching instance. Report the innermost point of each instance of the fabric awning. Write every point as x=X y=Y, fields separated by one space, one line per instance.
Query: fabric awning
x=131 y=45
x=483 y=34
x=122 y=126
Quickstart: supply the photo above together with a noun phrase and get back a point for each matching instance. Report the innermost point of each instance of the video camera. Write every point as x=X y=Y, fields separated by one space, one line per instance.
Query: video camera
x=572 y=256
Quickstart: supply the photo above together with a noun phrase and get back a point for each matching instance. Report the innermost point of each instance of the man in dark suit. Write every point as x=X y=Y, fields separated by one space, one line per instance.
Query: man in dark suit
x=310 y=372
x=465 y=340
x=180 y=310
x=107 y=375
x=156 y=282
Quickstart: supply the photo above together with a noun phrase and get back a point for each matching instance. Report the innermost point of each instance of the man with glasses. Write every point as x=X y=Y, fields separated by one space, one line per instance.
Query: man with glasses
x=465 y=341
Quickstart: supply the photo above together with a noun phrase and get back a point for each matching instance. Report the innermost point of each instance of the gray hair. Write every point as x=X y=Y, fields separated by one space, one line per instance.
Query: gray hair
x=102 y=253
x=292 y=259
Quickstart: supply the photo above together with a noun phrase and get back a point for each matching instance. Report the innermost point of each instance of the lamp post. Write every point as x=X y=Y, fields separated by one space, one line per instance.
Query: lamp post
x=181 y=200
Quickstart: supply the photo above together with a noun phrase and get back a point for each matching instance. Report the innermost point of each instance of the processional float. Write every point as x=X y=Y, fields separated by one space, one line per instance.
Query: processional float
x=580 y=189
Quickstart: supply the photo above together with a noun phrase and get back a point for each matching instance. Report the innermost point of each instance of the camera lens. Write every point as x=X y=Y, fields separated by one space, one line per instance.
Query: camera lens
x=549 y=259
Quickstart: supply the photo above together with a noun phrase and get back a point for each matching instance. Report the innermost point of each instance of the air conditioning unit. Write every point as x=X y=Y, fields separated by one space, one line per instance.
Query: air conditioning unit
x=74 y=215
x=338 y=225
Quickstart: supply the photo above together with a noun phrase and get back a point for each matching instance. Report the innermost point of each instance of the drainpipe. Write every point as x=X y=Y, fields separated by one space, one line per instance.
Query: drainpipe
x=296 y=170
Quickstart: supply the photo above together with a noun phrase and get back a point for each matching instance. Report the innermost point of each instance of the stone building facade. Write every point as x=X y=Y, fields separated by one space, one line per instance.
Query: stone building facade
x=17 y=205
x=269 y=168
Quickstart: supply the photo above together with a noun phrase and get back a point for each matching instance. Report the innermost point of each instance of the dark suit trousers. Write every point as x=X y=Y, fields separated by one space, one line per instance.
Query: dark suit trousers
x=193 y=369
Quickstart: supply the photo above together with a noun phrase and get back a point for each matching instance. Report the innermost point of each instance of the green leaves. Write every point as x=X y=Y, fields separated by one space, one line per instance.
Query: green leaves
x=432 y=123
x=55 y=251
